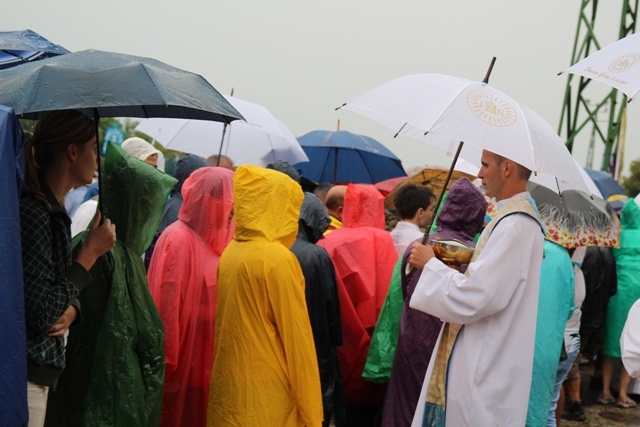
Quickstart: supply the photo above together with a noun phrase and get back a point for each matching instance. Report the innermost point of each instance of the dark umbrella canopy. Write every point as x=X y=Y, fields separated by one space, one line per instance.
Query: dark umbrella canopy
x=344 y=157
x=107 y=84
x=573 y=218
x=111 y=85
x=19 y=47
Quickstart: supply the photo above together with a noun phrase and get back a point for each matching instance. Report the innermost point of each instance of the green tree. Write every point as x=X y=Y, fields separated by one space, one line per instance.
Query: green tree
x=631 y=183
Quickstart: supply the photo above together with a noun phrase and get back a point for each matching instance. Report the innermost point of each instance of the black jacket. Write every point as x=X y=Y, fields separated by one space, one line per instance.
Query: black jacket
x=322 y=303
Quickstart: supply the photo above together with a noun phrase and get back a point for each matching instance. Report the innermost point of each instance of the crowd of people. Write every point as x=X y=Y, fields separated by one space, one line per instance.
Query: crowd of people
x=228 y=296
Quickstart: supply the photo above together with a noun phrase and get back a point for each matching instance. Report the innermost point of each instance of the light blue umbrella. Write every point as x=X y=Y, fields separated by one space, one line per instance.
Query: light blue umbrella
x=343 y=157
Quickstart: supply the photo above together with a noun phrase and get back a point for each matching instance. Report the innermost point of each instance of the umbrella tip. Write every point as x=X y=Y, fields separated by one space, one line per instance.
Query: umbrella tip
x=400 y=130
x=486 y=77
x=340 y=106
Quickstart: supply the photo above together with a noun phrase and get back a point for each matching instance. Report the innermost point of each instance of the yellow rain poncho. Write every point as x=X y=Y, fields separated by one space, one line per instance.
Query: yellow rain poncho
x=265 y=371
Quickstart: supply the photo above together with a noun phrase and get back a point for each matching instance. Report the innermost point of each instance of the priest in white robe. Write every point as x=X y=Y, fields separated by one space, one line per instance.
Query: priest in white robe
x=490 y=312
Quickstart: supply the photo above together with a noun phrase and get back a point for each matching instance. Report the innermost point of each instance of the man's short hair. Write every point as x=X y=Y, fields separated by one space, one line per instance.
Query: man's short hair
x=412 y=197
x=221 y=161
x=335 y=197
x=523 y=173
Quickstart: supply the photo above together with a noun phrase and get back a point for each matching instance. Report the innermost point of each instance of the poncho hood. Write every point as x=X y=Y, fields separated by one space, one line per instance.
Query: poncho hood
x=363 y=205
x=133 y=197
x=314 y=219
x=630 y=216
x=267 y=205
x=207 y=205
x=185 y=167
x=463 y=212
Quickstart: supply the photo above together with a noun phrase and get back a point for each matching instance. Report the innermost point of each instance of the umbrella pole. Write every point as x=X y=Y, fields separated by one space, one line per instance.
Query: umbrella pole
x=96 y=119
x=224 y=130
x=335 y=167
x=425 y=237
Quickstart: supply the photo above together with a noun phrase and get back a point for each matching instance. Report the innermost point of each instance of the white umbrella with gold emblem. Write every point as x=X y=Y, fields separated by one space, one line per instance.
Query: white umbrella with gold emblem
x=617 y=65
x=444 y=110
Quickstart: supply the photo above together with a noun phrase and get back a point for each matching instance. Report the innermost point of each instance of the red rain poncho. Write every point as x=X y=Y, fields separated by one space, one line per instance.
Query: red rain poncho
x=364 y=257
x=182 y=282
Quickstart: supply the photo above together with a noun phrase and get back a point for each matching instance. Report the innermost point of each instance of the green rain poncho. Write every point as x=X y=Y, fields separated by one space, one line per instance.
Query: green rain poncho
x=115 y=356
x=385 y=335
x=628 y=270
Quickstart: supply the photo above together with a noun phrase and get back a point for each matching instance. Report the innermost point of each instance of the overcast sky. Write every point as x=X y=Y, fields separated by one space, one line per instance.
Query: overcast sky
x=301 y=59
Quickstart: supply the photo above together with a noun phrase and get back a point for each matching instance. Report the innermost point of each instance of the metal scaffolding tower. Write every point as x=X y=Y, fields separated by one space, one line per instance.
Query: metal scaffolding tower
x=581 y=107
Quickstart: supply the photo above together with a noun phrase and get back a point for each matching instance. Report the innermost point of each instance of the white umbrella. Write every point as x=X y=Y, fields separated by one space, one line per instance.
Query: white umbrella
x=617 y=65
x=442 y=110
x=260 y=140
x=560 y=185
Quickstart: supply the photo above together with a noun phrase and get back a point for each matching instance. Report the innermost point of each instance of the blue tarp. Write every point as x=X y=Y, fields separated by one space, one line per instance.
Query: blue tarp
x=13 y=357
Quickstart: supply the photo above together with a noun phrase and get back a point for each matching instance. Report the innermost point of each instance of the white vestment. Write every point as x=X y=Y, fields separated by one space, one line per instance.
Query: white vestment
x=630 y=341
x=489 y=373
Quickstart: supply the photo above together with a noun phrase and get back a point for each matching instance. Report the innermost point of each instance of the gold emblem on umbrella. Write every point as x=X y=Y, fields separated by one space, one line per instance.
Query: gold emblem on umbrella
x=624 y=62
x=491 y=109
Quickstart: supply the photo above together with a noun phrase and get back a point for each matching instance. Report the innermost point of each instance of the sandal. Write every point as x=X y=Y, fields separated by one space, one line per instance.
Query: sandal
x=605 y=399
x=626 y=402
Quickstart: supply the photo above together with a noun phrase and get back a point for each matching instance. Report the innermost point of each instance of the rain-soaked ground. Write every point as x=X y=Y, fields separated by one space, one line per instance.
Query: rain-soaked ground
x=602 y=415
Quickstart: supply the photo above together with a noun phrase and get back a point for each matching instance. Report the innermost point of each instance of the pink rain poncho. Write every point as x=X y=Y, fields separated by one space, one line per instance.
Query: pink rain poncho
x=182 y=282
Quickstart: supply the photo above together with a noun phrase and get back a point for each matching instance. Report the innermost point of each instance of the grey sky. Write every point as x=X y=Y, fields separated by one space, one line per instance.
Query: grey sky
x=301 y=59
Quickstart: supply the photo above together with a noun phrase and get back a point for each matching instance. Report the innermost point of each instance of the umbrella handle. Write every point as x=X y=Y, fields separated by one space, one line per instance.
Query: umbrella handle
x=96 y=119
x=410 y=270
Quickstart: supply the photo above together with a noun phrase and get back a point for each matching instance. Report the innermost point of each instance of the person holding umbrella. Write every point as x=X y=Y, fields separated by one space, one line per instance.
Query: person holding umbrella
x=60 y=156
x=483 y=362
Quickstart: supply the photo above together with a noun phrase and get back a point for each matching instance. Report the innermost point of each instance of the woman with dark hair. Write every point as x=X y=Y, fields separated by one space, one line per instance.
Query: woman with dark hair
x=60 y=155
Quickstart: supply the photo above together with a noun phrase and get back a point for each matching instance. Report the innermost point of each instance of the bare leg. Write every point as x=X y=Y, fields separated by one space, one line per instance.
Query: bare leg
x=624 y=382
x=560 y=407
x=572 y=387
x=607 y=370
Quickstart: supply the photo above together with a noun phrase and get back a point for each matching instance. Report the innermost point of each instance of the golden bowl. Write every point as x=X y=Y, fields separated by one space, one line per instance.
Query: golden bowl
x=452 y=251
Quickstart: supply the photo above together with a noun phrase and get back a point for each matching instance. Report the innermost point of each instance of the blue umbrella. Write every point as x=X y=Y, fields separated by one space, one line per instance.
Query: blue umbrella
x=605 y=183
x=609 y=188
x=18 y=47
x=344 y=157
